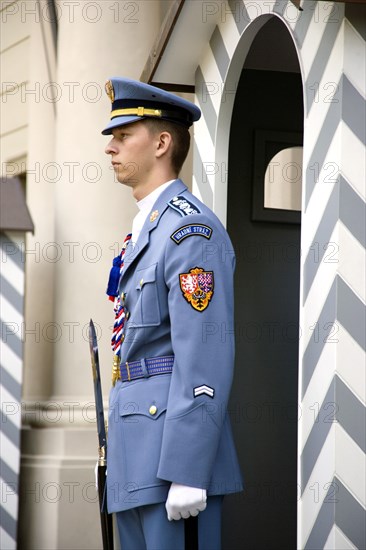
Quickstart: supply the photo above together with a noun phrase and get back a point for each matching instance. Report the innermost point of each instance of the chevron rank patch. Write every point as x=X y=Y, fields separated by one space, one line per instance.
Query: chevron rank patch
x=190 y=231
x=203 y=390
x=183 y=206
x=197 y=287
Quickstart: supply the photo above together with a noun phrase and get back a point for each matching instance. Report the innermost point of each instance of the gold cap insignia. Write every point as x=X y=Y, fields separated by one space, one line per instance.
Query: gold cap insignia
x=109 y=90
x=154 y=215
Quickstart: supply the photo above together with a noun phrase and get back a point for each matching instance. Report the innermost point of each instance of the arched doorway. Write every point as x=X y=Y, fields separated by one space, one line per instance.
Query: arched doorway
x=267 y=117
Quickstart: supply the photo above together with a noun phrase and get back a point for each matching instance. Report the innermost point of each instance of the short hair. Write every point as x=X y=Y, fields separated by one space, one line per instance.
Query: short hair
x=180 y=136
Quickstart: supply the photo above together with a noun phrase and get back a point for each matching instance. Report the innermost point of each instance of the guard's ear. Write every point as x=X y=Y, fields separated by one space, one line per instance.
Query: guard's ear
x=164 y=144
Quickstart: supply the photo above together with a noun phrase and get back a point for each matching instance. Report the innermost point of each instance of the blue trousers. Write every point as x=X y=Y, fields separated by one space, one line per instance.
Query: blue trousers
x=148 y=528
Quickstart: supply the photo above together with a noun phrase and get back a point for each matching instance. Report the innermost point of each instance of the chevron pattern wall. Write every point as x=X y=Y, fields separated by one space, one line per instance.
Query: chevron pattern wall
x=11 y=364
x=330 y=41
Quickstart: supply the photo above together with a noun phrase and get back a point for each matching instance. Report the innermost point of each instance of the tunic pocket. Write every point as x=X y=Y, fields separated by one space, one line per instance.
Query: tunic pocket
x=147 y=307
x=142 y=432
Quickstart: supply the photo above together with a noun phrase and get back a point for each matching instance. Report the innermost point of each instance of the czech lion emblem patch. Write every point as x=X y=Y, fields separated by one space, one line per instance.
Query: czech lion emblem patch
x=197 y=287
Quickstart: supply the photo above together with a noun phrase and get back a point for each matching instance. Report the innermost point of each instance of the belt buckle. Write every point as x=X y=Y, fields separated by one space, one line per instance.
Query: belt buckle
x=116 y=373
x=128 y=372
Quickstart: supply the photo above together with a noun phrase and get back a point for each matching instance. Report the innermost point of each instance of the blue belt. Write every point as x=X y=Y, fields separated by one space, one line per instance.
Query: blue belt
x=143 y=368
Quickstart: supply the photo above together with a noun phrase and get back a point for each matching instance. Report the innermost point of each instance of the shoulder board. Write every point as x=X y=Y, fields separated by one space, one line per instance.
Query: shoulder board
x=183 y=206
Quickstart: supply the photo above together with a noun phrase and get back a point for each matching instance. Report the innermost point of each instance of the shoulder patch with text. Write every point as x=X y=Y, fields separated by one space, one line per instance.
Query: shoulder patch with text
x=197 y=229
x=197 y=287
x=183 y=206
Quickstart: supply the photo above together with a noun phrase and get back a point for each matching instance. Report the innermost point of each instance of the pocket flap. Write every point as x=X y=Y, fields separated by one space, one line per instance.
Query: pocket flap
x=147 y=397
x=151 y=408
x=146 y=275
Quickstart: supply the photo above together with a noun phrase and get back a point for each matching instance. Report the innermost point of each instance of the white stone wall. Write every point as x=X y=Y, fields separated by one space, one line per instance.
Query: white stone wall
x=52 y=119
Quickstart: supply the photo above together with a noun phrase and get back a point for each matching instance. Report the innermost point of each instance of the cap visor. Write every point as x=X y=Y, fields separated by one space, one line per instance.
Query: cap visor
x=120 y=121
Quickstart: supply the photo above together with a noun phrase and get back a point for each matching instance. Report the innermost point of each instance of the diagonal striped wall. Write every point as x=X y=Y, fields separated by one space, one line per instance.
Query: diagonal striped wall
x=330 y=41
x=11 y=317
x=332 y=386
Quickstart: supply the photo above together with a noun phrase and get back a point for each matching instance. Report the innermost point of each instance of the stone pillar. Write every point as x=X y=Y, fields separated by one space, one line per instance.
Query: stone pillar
x=92 y=214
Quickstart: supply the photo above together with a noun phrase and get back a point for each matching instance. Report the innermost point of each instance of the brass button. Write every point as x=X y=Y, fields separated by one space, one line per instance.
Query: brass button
x=141 y=282
x=153 y=410
x=123 y=296
x=127 y=315
x=122 y=338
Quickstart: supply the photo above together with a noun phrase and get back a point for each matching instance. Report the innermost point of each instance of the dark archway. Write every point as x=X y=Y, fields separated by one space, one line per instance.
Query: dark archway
x=267 y=117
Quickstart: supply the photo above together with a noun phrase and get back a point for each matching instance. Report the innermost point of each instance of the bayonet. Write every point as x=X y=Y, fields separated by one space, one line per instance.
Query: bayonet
x=105 y=518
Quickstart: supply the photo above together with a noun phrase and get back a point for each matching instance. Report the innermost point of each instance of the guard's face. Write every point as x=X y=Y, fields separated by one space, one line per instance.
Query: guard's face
x=132 y=151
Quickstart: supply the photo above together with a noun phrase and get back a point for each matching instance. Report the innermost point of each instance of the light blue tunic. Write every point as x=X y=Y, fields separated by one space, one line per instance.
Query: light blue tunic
x=178 y=290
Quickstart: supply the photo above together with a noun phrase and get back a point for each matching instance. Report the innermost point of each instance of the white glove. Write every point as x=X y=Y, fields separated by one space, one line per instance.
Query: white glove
x=184 y=501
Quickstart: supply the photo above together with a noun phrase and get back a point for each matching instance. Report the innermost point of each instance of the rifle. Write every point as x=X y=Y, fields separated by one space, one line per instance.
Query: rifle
x=105 y=518
x=191 y=533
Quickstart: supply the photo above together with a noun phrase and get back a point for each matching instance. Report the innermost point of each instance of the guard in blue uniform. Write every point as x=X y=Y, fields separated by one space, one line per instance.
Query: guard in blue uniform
x=170 y=447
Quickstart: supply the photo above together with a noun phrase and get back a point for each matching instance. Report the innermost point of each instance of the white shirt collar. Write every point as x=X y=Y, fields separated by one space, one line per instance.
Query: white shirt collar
x=145 y=205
